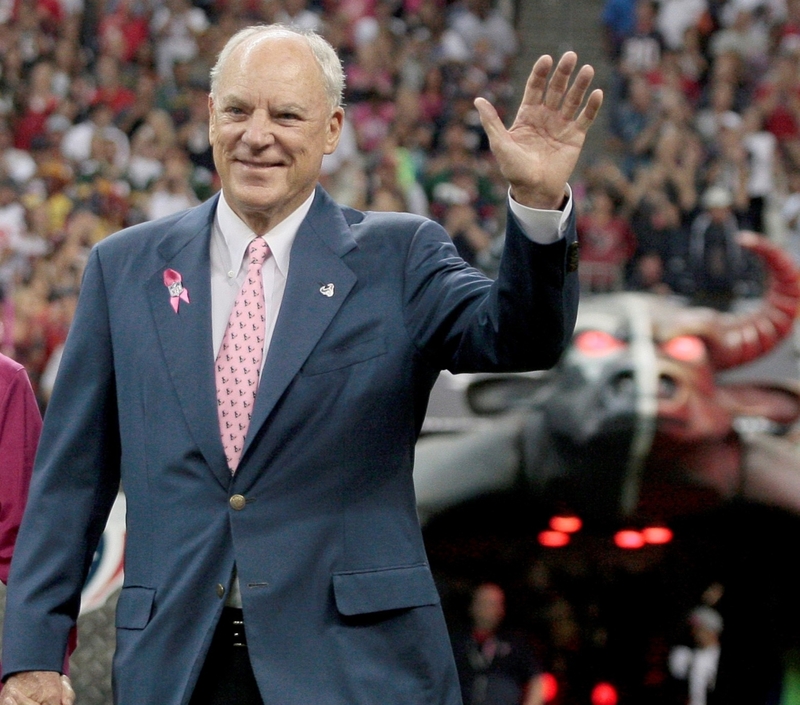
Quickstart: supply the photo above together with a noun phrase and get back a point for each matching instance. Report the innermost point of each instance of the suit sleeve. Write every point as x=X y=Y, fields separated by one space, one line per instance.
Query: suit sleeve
x=75 y=480
x=464 y=322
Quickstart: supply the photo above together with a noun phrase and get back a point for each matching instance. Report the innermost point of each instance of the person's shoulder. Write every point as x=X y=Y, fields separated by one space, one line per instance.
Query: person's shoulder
x=394 y=229
x=354 y=216
x=147 y=234
x=8 y=367
x=12 y=374
x=398 y=232
x=387 y=222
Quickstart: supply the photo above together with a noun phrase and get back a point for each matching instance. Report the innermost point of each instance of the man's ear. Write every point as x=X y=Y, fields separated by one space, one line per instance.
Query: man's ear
x=335 y=123
x=212 y=119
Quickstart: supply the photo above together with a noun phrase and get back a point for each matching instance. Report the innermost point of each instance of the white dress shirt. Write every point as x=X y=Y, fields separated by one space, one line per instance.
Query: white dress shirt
x=230 y=237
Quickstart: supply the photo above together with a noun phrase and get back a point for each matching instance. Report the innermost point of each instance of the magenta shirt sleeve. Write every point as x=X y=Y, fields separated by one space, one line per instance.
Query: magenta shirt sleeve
x=20 y=426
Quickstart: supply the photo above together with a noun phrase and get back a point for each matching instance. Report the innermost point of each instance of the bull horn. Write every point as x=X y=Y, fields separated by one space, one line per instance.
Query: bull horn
x=740 y=338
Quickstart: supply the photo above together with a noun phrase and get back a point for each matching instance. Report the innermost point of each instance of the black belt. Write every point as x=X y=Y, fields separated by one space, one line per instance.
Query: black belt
x=230 y=629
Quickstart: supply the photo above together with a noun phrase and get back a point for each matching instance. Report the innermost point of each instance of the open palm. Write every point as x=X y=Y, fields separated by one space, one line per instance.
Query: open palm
x=538 y=153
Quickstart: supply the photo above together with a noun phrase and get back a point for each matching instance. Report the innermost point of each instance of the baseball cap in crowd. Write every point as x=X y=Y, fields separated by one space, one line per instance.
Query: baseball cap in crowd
x=717 y=197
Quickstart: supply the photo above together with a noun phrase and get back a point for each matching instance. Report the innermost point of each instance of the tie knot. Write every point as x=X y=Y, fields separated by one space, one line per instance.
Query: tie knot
x=257 y=251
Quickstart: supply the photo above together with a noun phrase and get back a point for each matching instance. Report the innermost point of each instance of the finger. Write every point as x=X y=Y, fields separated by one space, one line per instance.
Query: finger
x=490 y=120
x=537 y=81
x=67 y=693
x=590 y=110
x=574 y=98
x=560 y=80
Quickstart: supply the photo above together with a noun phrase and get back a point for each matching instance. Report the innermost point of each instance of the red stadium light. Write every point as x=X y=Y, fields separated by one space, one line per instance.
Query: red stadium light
x=604 y=694
x=657 y=534
x=553 y=539
x=549 y=687
x=568 y=523
x=629 y=539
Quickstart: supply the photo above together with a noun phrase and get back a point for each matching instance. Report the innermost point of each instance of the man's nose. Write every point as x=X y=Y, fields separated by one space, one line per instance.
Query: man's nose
x=259 y=132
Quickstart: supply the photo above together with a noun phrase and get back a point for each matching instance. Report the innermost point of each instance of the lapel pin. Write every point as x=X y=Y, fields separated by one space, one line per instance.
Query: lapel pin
x=177 y=291
x=326 y=290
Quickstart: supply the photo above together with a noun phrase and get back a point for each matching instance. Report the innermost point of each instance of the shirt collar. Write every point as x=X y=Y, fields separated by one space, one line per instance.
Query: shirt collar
x=237 y=235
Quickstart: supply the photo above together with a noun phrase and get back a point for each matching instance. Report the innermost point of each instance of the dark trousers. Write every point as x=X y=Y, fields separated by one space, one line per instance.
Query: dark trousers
x=227 y=676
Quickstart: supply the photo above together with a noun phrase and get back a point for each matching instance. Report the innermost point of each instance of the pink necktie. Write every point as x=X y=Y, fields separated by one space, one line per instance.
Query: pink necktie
x=238 y=364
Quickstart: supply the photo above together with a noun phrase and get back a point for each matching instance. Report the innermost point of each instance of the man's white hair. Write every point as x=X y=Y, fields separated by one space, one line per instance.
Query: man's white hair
x=329 y=63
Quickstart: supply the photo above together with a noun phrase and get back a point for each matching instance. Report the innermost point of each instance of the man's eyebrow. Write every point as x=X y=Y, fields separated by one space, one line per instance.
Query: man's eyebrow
x=290 y=108
x=232 y=99
x=227 y=101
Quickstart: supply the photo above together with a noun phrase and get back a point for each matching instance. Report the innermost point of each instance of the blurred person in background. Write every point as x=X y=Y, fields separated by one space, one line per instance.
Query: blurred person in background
x=20 y=426
x=607 y=244
x=77 y=140
x=790 y=215
x=15 y=164
x=719 y=267
x=642 y=50
x=696 y=666
x=172 y=192
x=765 y=171
x=176 y=27
x=658 y=262
x=488 y=34
x=496 y=666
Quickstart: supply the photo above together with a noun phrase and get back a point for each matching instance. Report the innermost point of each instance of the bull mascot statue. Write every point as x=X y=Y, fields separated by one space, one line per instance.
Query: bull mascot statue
x=637 y=419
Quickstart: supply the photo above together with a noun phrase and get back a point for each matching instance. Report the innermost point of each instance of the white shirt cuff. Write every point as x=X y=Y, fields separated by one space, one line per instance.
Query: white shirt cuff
x=542 y=226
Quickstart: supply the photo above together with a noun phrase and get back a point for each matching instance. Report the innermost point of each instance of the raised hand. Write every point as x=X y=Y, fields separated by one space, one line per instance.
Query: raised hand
x=538 y=153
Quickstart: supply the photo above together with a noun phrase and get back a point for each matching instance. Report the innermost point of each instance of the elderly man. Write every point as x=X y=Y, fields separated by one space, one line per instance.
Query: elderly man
x=254 y=372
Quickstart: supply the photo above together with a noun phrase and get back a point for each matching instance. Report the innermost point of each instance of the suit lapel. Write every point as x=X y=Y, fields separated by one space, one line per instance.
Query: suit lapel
x=185 y=335
x=315 y=268
x=306 y=312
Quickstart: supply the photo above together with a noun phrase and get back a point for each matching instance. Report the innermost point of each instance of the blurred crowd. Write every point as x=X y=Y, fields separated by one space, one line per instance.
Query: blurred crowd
x=704 y=140
x=104 y=123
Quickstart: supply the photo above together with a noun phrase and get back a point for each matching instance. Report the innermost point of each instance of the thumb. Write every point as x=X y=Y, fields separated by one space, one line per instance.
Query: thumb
x=490 y=120
x=67 y=693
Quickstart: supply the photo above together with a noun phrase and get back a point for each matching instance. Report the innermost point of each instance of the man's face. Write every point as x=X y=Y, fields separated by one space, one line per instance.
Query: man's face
x=719 y=214
x=488 y=607
x=269 y=126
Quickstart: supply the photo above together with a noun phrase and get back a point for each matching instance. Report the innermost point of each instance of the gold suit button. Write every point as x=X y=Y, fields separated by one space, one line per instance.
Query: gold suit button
x=220 y=590
x=237 y=502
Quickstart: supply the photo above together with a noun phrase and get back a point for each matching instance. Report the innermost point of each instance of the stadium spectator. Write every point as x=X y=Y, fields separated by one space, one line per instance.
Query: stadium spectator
x=607 y=244
x=496 y=665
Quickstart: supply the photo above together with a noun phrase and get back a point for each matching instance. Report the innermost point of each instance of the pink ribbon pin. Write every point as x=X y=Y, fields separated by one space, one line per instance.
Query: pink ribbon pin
x=177 y=291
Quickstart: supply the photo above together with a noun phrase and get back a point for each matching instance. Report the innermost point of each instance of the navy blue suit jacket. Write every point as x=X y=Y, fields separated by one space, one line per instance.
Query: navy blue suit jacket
x=340 y=606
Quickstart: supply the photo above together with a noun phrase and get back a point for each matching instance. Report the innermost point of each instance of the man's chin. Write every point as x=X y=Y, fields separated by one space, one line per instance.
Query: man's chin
x=253 y=197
